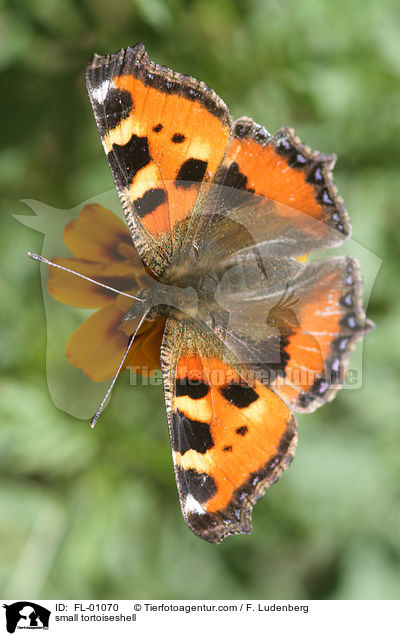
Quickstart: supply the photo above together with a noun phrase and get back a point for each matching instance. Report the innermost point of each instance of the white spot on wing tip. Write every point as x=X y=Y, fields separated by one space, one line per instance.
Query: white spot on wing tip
x=100 y=93
x=192 y=505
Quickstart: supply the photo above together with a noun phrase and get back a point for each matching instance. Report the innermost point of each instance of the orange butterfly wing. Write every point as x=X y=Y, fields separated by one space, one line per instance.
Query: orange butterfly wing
x=293 y=326
x=295 y=183
x=319 y=332
x=164 y=134
x=230 y=439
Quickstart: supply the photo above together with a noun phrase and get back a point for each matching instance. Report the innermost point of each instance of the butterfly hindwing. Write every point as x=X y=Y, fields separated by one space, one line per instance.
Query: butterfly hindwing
x=329 y=320
x=164 y=134
x=293 y=324
x=231 y=437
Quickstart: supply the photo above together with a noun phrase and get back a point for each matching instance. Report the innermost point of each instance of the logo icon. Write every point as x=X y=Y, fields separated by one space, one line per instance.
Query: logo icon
x=26 y=615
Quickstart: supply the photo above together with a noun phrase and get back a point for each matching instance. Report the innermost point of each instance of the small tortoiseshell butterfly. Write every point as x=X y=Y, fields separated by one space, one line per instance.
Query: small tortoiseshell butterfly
x=223 y=216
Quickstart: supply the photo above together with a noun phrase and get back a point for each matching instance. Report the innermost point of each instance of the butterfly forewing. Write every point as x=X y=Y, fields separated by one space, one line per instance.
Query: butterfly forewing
x=164 y=135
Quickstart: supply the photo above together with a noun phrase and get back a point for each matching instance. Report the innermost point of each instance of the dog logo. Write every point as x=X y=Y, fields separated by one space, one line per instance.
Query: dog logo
x=26 y=615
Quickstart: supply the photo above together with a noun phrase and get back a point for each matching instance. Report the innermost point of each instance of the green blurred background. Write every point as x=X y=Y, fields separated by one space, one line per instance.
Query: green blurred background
x=95 y=514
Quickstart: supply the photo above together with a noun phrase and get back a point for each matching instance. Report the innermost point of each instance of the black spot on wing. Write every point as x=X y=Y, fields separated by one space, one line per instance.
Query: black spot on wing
x=178 y=138
x=347 y=300
x=190 y=435
x=242 y=430
x=192 y=170
x=233 y=178
x=158 y=128
x=294 y=156
x=200 y=485
x=234 y=191
x=297 y=160
x=149 y=201
x=129 y=158
x=340 y=344
x=315 y=175
x=117 y=106
x=240 y=395
x=283 y=145
x=335 y=369
x=243 y=128
x=195 y=389
x=324 y=197
x=350 y=321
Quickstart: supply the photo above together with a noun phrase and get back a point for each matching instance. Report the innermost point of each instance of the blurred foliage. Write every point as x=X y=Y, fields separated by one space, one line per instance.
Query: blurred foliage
x=95 y=514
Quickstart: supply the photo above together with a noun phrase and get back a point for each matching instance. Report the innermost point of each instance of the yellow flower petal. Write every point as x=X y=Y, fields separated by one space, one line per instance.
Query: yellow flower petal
x=129 y=253
x=96 y=234
x=104 y=252
x=97 y=346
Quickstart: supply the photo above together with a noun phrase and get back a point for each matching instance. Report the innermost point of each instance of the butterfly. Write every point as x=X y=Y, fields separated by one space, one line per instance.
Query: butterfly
x=223 y=216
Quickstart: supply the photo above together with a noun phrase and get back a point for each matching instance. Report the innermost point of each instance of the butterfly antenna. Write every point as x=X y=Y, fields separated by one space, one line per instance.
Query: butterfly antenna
x=293 y=302
x=290 y=300
x=41 y=259
x=110 y=388
x=282 y=298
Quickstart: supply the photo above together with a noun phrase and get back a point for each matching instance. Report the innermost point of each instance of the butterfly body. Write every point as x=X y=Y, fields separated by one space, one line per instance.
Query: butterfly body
x=221 y=215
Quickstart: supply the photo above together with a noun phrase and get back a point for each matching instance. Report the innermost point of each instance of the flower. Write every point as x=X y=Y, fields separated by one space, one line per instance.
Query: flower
x=103 y=250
